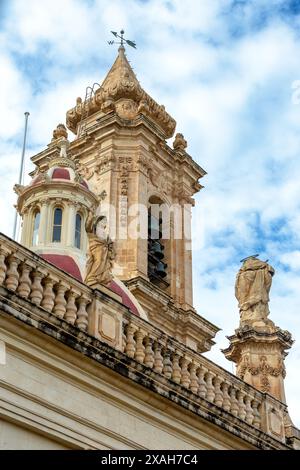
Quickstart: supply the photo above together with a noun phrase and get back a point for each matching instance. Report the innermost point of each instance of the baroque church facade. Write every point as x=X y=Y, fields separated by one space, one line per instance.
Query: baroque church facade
x=100 y=344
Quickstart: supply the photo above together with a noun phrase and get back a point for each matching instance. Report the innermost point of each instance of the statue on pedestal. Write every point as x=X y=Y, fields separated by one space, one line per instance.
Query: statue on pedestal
x=252 y=287
x=101 y=253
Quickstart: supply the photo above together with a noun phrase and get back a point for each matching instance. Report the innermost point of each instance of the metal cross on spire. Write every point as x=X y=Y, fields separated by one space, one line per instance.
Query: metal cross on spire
x=121 y=36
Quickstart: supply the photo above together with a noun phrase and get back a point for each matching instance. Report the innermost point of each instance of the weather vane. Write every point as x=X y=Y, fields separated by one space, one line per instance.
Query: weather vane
x=130 y=43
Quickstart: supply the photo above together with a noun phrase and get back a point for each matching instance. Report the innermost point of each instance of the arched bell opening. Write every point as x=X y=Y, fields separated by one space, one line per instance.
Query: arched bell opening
x=157 y=252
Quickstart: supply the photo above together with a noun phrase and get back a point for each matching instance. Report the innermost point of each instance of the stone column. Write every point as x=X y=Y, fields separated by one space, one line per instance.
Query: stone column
x=71 y=216
x=43 y=223
x=187 y=253
x=26 y=228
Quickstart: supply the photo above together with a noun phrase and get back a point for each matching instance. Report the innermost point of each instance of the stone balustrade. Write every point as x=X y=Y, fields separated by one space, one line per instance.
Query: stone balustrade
x=49 y=288
x=34 y=279
x=151 y=347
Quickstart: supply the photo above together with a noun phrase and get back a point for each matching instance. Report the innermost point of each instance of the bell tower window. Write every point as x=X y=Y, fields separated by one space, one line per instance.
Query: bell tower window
x=57 y=225
x=157 y=268
x=78 y=223
x=36 y=226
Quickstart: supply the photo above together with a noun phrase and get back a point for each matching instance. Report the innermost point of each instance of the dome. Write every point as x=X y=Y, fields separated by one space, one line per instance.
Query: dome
x=64 y=262
x=128 y=299
x=69 y=266
x=59 y=173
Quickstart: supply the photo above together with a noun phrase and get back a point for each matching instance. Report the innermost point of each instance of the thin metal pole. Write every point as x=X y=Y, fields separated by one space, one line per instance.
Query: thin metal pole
x=21 y=169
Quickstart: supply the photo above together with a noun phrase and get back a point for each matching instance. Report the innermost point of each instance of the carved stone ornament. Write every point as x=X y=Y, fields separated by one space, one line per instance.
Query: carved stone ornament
x=101 y=253
x=106 y=161
x=263 y=369
x=122 y=84
x=179 y=143
x=60 y=131
x=84 y=171
x=126 y=109
x=19 y=189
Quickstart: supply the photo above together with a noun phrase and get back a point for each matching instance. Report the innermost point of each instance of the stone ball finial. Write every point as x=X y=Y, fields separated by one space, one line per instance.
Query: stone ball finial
x=60 y=131
x=179 y=143
x=78 y=101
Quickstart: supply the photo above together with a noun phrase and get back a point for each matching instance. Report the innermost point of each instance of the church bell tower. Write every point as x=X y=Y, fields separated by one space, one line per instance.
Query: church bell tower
x=145 y=190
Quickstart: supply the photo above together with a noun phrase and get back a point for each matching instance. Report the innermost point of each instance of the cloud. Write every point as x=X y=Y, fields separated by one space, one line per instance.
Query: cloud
x=224 y=70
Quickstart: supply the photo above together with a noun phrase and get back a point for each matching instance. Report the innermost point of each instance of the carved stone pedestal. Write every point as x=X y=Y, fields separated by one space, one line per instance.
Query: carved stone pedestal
x=259 y=354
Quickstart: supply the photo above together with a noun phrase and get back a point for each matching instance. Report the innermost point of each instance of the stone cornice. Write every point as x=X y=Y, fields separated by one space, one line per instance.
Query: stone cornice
x=59 y=185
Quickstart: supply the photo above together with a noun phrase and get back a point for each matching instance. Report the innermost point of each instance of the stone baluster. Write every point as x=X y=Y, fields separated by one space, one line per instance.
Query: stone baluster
x=60 y=302
x=25 y=283
x=149 y=353
x=256 y=414
x=140 y=348
x=234 y=409
x=176 y=369
x=37 y=290
x=12 y=274
x=71 y=309
x=3 y=267
x=202 y=389
x=185 y=375
x=241 y=404
x=82 y=315
x=210 y=393
x=167 y=363
x=158 y=359
x=49 y=294
x=249 y=411
x=130 y=342
x=218 y=391
x=194 y=385
x=226 y=397
x=124 y=341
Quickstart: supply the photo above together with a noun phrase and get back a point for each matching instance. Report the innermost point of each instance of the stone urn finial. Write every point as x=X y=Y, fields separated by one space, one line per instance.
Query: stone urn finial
x=179 y=143
x=60 y=131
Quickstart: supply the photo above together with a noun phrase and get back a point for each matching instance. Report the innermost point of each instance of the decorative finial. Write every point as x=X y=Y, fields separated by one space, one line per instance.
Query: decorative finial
x=179 y=143
x=121 y=36
x=60 y=131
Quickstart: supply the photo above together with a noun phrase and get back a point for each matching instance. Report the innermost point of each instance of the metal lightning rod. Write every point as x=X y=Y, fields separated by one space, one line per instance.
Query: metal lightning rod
x=21 y=169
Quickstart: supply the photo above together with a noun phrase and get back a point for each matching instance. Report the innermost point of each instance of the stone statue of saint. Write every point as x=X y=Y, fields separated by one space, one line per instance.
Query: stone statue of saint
x=252 y=287
x=101 y=252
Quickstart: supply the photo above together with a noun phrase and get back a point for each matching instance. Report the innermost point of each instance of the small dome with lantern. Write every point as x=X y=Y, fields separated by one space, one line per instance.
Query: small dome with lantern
x=55 y=206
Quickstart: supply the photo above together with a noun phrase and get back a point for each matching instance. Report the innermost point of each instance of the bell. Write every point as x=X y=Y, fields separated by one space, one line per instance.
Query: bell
x=157 y=250
x=161 y=269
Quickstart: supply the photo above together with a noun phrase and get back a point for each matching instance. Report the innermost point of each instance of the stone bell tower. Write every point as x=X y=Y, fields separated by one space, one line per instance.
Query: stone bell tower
x=148 y=187
x=142 y=186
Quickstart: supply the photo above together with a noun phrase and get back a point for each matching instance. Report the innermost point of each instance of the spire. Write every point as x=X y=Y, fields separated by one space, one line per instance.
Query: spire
x=121 y=71
x=122 y=94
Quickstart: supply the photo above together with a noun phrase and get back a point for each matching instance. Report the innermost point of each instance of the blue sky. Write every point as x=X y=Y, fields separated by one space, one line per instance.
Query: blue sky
x=227 y=72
